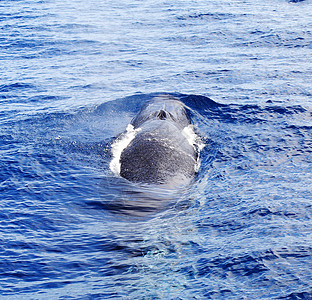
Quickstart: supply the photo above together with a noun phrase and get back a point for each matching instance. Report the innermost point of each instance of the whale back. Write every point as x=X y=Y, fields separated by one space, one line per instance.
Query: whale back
x=158 y=154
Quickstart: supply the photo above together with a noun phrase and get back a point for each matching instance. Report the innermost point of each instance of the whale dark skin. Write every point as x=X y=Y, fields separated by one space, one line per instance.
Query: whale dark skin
x=159 y=153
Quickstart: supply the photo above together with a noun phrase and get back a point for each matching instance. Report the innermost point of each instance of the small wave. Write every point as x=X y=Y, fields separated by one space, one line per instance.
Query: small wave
x=211 y=16
x=4 y=88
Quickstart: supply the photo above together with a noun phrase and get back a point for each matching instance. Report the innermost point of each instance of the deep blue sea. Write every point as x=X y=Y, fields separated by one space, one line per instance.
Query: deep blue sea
x=74 y=74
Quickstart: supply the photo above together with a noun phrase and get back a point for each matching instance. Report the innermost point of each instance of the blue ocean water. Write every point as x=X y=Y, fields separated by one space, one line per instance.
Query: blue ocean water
x=74 y=73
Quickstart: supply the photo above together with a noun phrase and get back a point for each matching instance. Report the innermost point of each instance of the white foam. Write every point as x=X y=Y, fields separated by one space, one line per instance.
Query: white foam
x=119 y=145
x=195 y=141
x=193 y=138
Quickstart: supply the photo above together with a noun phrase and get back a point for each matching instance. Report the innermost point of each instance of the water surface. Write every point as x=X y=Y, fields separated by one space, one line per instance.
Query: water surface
x=74 y=73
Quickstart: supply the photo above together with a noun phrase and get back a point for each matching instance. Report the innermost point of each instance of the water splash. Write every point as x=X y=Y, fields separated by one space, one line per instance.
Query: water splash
x=119 y=145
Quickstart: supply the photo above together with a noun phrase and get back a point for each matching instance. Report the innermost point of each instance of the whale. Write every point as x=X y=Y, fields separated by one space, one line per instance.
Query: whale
x=159 y=152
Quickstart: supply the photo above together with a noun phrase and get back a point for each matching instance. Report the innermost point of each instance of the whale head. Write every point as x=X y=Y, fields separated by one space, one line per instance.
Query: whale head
x=163 y=107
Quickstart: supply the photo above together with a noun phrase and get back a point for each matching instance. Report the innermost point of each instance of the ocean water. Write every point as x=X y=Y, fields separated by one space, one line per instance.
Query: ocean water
x=74 y=74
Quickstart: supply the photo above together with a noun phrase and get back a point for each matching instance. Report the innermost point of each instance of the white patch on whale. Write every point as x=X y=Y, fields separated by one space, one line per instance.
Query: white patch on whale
x=119 y=145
